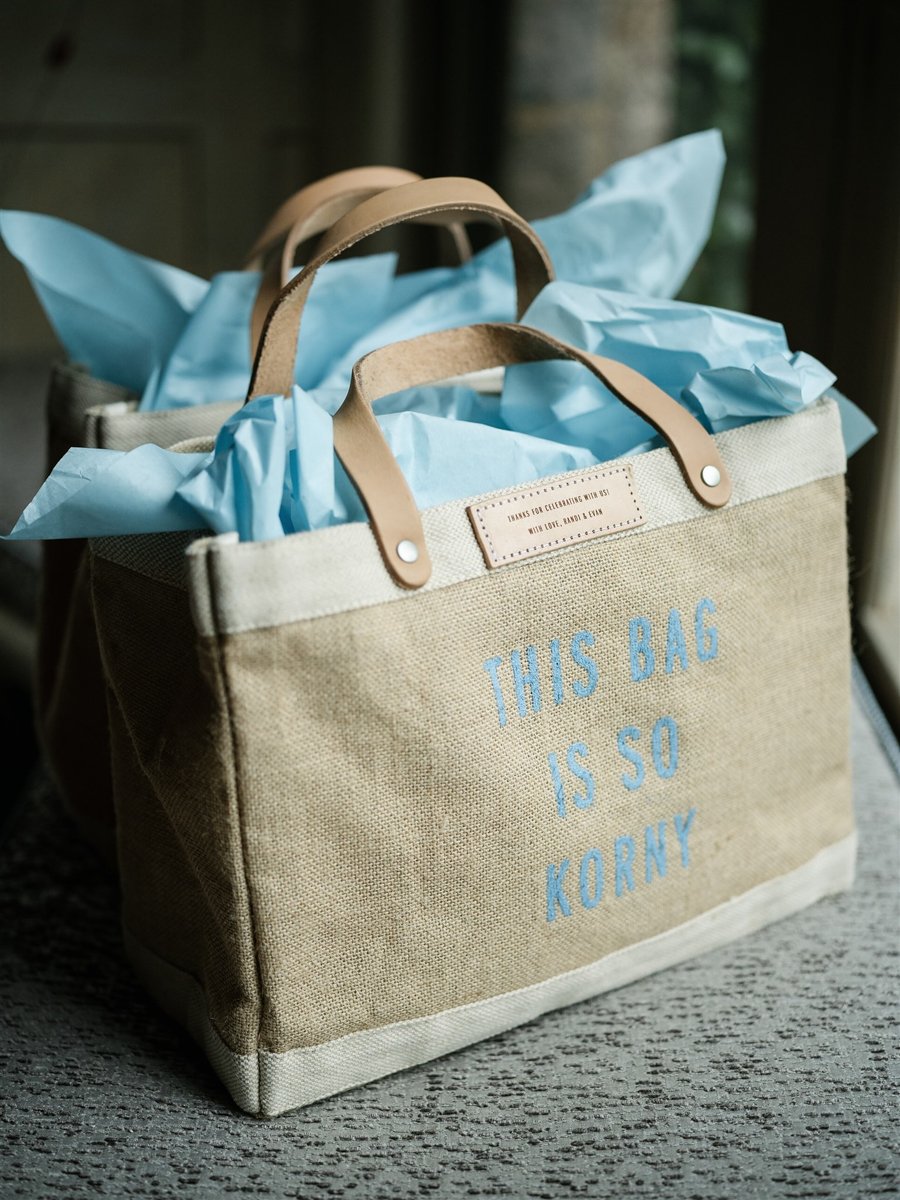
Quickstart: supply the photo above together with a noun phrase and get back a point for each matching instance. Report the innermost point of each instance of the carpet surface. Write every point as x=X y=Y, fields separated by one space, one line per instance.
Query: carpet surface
x=765 y=1069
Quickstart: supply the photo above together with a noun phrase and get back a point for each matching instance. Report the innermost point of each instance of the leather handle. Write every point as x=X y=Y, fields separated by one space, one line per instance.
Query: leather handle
x=315 y=209
x=427 y=201
x=357 y=181
x=320 y=220
x=367 y=459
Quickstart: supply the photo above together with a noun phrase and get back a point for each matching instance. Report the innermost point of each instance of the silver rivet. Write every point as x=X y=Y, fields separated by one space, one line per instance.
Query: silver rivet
x=407 y=551
x=711 y=476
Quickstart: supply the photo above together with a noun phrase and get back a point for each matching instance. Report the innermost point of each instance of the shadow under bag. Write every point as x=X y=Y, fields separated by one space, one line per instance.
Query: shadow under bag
x=386 y=789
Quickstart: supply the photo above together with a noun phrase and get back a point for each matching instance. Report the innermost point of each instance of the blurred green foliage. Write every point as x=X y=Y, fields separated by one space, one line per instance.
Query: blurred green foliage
x=716 y=47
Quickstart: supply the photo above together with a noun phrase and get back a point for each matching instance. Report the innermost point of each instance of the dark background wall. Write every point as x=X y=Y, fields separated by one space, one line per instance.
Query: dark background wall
x=174 y=127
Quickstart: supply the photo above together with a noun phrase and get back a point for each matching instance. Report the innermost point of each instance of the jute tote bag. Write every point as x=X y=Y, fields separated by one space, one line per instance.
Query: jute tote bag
x=85 y=411
x=386 y=789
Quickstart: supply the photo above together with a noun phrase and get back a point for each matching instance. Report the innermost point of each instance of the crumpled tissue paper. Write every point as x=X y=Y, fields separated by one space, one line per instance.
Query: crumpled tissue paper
x=619 y=252
x=177 y=340
x=273 y=470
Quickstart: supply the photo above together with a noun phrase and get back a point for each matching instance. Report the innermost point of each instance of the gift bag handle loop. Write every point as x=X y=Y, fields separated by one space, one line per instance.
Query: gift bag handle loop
x=342 y=190
x=441 y=201
x=376 y=475
x=314 y=210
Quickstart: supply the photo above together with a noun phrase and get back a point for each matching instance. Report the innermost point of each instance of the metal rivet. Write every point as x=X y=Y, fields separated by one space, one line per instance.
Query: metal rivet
x=711 y=476
x=407 y=551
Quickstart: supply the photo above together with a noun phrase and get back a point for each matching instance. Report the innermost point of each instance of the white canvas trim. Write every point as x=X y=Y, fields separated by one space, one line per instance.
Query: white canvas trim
x=123 y=426
x=267 y=1083
x=238 y=587
x=181 y=996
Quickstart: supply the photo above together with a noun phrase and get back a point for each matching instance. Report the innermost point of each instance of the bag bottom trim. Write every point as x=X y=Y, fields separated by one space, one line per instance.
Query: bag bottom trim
x=267 y=1084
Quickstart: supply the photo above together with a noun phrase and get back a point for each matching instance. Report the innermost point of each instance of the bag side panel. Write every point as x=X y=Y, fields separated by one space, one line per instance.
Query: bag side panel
x=179 y=840
x=70 y=705
x=71 y=691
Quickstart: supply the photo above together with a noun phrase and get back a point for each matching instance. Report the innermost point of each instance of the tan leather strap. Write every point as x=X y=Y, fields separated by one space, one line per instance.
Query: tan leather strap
x=428 y=201
x=361 y=447
x=358 y=181
x=317 y=207
x=320 y=220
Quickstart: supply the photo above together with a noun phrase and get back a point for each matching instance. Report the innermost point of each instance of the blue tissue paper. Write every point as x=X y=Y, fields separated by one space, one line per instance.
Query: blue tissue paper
x=727 y=368
x=626 y=244
x=93 y=493
x=211 y=360
x=640 y=228
x=273 y=471
x=176 y=340
x=117 y=313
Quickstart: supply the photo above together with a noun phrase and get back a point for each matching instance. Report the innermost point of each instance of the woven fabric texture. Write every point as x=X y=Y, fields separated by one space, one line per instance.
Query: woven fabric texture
x=270 y=1084
x=339 y=823
x=121 y=430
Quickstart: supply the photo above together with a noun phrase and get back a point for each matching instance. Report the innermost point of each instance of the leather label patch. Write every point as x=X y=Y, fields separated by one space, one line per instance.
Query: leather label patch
x=537 y=519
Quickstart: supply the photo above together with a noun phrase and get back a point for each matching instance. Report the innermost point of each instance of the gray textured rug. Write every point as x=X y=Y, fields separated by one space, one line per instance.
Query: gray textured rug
x=767 y=1069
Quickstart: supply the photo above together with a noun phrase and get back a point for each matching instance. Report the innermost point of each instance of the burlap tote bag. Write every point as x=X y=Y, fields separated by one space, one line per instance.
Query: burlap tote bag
x=85 y=411
x=386 y=789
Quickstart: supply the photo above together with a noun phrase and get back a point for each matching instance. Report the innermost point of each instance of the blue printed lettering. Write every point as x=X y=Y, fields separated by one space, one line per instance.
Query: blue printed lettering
x=676 y=646
x=591 y=896
x=639 y=649
x=591 y=868
x=579 y=750
x=575 y=756
x=629 y=734
x=667 y=765
x=707 y=636
x=624 y=864
x=556 y=897
x=584 y=687
x=556 y=667
x=655 y=851
x=682 y=829
x=529 y=679
x=491 y=666
x=558 y=789
x=526 y=667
